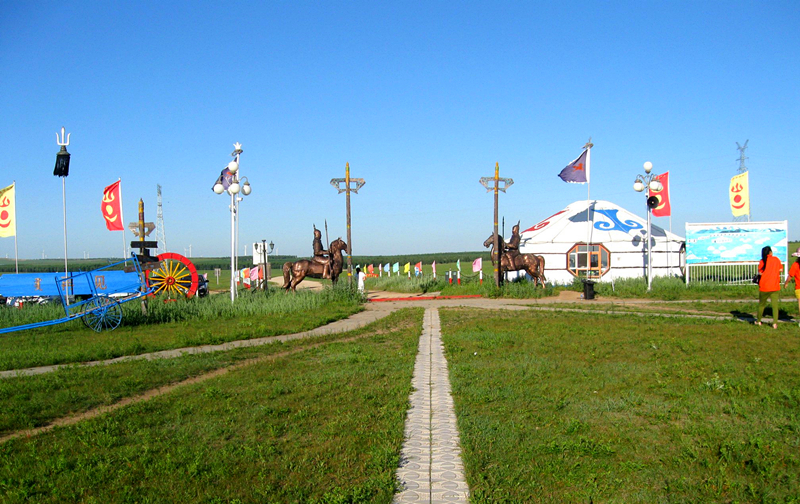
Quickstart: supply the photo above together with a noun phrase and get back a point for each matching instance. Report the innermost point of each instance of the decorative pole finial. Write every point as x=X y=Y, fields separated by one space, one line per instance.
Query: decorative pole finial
x=60 y=141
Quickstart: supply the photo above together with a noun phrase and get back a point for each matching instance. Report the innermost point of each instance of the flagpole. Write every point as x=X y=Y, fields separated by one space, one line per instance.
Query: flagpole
x=588 y=148
x=16 y=228
x=122 y=219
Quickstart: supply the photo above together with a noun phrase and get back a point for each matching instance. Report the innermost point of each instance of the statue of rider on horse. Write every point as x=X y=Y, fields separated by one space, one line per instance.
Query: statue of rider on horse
x=324 y=264
x=512 y=260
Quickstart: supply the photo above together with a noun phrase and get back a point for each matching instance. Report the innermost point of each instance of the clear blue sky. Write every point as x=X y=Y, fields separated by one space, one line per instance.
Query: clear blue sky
x=420 y=98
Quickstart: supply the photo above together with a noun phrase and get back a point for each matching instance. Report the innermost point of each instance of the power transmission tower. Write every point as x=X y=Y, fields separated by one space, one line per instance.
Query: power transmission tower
x=161 y=235
x=742 y=167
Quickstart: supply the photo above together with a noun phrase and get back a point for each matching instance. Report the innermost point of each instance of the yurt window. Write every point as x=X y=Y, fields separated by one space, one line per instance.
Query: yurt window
x=598 y=264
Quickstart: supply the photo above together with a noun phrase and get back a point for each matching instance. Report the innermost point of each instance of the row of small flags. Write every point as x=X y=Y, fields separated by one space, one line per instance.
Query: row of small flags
x=249 y=276
x=388 y=268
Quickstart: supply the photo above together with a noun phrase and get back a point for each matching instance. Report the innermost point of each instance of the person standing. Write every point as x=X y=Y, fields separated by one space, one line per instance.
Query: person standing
x=360 y=276
x=794 y=274
x=769 y=286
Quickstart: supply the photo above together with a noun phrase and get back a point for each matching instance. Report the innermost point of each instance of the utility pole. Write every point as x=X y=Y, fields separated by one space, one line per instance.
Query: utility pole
x=359 y=183
x=493 y=184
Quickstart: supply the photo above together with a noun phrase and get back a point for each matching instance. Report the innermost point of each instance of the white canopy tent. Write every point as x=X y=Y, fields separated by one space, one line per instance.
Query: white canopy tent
x=617 y=244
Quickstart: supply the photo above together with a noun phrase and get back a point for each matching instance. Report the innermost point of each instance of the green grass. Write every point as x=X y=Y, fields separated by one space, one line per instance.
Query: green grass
x=734 y=308
x=33 y=401
x=321 y=426
x=599 y=408
x=211 y=320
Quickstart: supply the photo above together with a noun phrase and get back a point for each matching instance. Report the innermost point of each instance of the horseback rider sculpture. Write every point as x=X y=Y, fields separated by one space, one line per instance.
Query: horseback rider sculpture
x=512 y=247
x=321 y=255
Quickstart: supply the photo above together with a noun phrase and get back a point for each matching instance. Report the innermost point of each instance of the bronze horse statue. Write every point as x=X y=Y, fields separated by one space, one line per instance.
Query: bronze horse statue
x=295 y=272
x=532 y=264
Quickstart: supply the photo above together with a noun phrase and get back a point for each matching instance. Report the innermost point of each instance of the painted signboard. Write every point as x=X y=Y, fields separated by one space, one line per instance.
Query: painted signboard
x=735 y=242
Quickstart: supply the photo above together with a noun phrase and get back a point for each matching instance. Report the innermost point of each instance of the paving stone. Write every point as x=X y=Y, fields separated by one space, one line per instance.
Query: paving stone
x=430 y=469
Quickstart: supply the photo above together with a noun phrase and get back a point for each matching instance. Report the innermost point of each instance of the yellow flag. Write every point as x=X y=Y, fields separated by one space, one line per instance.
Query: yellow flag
x=740 y=195
x=407 y=268
x=8 y=218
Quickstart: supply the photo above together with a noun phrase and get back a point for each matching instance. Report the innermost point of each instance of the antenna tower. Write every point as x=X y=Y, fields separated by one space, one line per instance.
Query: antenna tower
x=161 y=235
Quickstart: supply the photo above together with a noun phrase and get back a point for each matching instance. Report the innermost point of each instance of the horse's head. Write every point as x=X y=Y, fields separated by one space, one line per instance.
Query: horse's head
x=338 y=245
x=490 y=241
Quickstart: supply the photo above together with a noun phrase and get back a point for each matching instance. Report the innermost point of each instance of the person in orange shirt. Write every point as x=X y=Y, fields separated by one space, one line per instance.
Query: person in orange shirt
x=769 y=287
x=794 y=274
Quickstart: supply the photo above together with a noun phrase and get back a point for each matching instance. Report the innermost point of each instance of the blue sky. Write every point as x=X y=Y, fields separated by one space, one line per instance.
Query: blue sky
x=420 y=98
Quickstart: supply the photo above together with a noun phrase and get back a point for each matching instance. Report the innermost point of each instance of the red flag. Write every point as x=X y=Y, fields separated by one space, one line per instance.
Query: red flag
x=663 y=209
x=419 y=267
x=111 y=207
x=371 y=269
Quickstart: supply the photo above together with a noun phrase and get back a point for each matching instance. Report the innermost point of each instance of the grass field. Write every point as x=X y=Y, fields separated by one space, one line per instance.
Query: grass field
x=318 y=424
x=552 y=407
x=210 y=320
x=602 y=408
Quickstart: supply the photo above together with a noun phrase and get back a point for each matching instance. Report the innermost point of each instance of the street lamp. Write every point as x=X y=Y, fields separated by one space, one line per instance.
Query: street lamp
x=648 y=180
x=62 y=170
x=265 y=255
x=229 y=180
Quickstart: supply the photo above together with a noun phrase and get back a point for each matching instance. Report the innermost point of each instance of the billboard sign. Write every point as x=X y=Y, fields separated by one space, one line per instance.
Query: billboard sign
x=735 y=242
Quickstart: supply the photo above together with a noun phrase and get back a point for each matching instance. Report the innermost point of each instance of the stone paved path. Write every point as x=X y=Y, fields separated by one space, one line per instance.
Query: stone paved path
x=430 y=469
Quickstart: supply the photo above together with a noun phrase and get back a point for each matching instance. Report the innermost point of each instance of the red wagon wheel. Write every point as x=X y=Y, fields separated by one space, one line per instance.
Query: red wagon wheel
x=176 y=277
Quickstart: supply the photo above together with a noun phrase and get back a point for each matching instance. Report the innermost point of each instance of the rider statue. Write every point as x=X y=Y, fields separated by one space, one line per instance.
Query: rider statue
x=320 y=254
x=512 y=247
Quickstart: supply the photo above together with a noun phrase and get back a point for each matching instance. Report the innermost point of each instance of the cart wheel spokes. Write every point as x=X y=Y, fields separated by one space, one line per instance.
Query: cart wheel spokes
x=177 y=276
x=102 y=313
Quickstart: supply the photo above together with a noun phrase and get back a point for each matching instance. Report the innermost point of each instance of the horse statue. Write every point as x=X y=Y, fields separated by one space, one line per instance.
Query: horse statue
x=295 y=272
x=532 y=264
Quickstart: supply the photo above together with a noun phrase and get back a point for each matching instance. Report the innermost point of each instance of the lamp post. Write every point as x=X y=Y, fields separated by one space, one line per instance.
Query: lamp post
x=229 y=180
x=648 y=180
x=265 y=255
x=62 y=170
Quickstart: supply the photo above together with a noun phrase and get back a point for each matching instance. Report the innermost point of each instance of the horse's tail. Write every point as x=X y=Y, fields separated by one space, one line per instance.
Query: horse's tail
x=287 y=274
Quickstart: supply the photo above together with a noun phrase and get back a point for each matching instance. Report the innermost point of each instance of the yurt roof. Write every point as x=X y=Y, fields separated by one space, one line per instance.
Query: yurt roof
x=609 y=223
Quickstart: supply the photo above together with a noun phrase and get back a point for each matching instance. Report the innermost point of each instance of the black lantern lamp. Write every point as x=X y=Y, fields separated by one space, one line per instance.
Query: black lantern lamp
x=62 y=158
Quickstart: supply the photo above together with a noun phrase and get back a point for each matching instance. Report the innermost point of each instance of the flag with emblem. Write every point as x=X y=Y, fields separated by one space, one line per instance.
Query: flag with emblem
x=111 y=207
x=739 y=193
x=663 y=209
x=8 y=214
x=577 y=172
x=225 y=178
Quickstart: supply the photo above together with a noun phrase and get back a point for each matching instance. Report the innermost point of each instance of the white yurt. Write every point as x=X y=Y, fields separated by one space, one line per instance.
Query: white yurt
x=617 y=244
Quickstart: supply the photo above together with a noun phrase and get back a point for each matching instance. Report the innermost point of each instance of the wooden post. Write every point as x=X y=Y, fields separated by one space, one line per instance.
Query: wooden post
x=359 y=182
x=493 y=184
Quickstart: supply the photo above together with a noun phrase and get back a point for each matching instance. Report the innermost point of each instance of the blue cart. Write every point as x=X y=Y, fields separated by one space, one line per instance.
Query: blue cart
x=92 y=296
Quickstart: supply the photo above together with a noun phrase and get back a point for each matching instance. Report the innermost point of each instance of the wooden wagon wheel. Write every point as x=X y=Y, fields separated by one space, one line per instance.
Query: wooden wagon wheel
x=102 y=312
x=177 y=276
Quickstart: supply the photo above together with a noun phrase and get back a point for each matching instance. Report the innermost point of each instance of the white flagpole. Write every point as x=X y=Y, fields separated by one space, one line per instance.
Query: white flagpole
x=669 y=242
x=122 y=219
x=16 y=228
x=588 y=148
